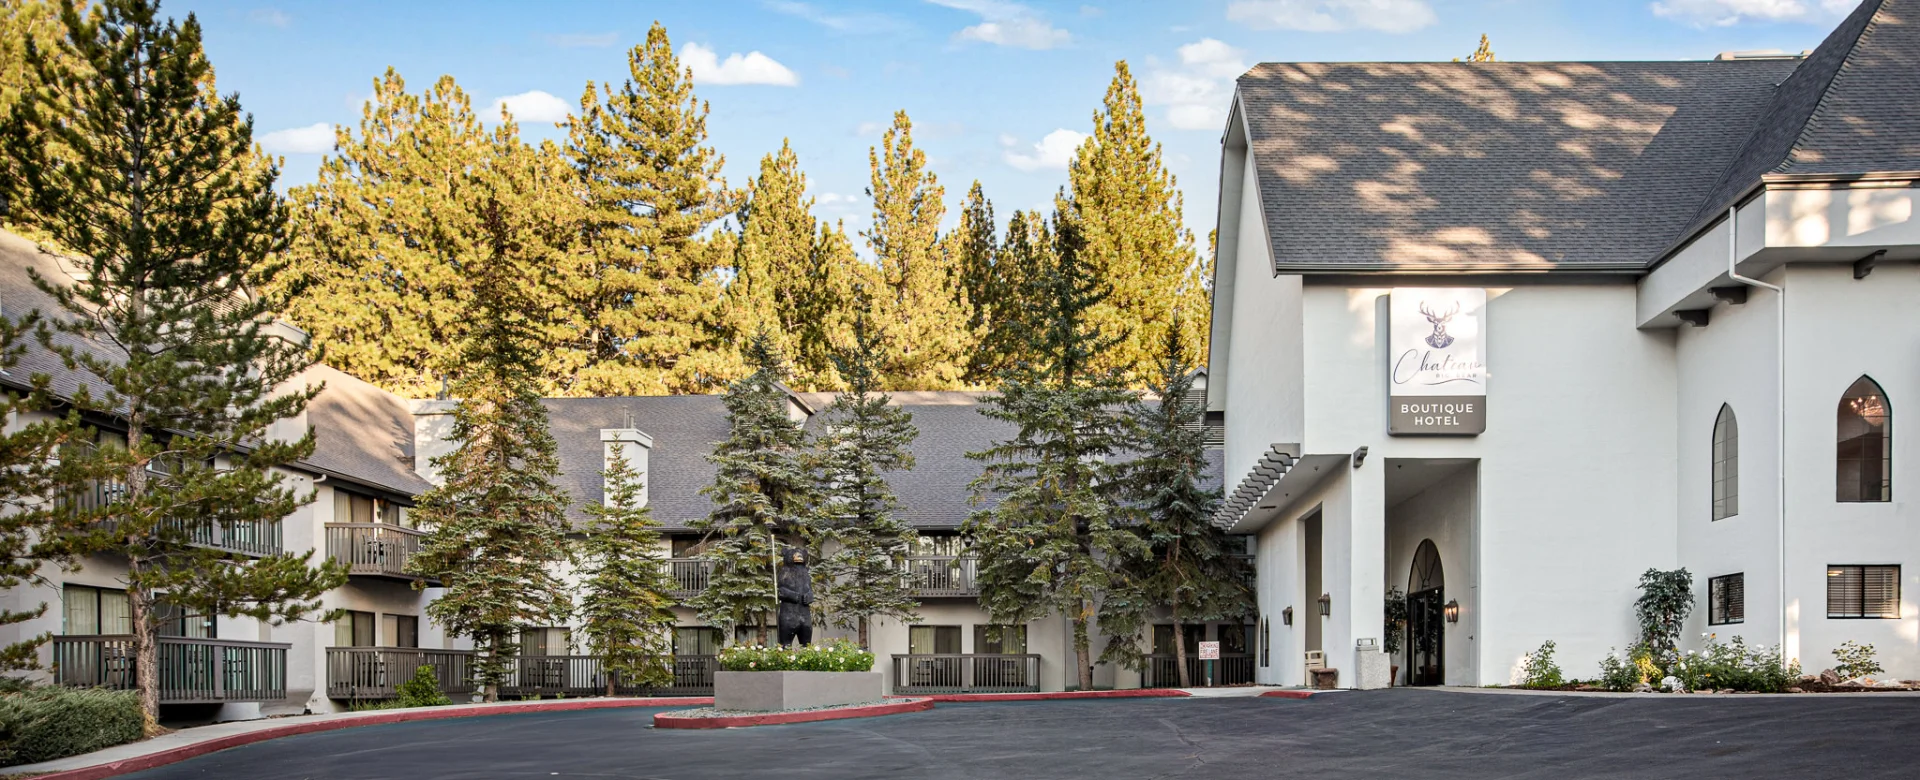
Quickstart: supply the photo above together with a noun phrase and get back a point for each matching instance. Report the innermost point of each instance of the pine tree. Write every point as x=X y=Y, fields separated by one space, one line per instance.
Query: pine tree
x=652 y=307
x=1484 y=53
x=1129 y=207
x=1054 y=541
x=763 y=494
x=919 y=302
x=977 y=253
x=867 y=438
x=1189 y=568
x=1019 y=269
x=24 y=24
x=140 y=168
x=30 y=471
x=625 y=607
x=496 y=524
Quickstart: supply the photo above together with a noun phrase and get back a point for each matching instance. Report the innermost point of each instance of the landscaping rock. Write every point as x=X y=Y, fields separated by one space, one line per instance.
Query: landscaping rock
x=1830 y=677
x=1795 y=690
x=1643 y=688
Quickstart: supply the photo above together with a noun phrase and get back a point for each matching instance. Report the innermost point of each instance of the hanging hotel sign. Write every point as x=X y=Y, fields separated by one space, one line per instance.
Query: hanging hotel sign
x=1436 y=363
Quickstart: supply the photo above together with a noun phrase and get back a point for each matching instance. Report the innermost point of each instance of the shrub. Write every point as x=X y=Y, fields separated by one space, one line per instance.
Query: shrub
x=1666 y=598
x=52 y=722
x=1619 y=673
x=841 y=656
x=1540 y=671
x=1734 y=666
x=1395 y=611
x=1856 y=660
x=423 y=690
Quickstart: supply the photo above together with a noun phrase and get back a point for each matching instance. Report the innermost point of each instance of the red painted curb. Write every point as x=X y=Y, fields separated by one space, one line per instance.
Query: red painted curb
x=197 y=749
x=668 y=720
x=1138 y=693
x=1289 y=694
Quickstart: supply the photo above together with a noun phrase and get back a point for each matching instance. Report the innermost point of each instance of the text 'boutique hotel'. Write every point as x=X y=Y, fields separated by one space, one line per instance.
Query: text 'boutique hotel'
x=1503 y=336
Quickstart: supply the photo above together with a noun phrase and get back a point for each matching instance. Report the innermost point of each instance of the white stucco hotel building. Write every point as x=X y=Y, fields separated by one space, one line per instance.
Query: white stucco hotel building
x=1506 y=335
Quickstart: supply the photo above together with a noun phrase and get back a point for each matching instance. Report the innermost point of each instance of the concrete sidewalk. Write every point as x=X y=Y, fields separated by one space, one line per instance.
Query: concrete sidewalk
x=200 y=740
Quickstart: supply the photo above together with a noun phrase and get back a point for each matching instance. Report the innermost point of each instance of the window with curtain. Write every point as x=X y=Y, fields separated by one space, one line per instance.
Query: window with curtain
x=400 y=630
x=1000 y=639
x=1727 y=599
x=89 y=611
x=697 y=640
x=178 y=621
x=1863 y=591
x=1163 y=638
x=931 y=640
x=354 y=629
x=1726 y=464
x=546 y=641
x=938 y=544
x=1864 y=447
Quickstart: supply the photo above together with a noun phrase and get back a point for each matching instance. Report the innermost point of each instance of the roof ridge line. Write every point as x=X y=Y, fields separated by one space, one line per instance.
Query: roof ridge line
x=1826 y=92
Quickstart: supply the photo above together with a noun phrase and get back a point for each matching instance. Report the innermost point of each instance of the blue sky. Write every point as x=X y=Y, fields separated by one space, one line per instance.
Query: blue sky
x=998 y=90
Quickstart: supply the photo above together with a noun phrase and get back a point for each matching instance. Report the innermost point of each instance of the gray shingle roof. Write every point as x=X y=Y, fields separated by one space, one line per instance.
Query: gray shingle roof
x=1393 y=166
x=935 y=494
x=684 y=429
x=19 y=295
x=362 y=432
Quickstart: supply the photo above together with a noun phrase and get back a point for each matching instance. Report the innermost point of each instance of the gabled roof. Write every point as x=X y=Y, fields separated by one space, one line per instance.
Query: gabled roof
x=684 y=428
x=935 y=495
x=361 y=432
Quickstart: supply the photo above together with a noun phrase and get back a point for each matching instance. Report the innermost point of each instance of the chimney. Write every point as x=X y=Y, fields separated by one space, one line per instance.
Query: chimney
x=432 y=426
x=634 y=446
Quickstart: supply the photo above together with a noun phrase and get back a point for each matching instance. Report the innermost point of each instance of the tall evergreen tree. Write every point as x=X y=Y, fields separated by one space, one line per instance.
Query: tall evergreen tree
x=1018 y=295
x=625 y=607
x=1129 y=208
x=24 y=24
x=1189 y=568
x=763 y=493
x=1056 y=538
x=977 y=252
x=1484 y=53
x=867 y=438
x=135 y=164
x=385 y=233
x=919 y=303
x=496 y=524
x=653 y=314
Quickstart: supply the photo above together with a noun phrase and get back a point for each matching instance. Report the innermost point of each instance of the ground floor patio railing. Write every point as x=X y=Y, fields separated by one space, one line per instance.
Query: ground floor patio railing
x=192 y=671
x=1230 y=669
x=365 y=673
x=966 y=673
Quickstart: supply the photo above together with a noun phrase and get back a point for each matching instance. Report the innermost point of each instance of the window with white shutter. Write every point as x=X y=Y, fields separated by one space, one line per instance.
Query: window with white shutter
x=1863 y=591
x=1727 y=599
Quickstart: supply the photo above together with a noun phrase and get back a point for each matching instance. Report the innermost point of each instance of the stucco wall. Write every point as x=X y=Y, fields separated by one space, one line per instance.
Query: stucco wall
x=1443 y=513
x=1264 y=376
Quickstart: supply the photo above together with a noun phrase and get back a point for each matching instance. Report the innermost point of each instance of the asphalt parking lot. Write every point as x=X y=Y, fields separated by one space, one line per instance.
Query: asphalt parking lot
x=1396 y=733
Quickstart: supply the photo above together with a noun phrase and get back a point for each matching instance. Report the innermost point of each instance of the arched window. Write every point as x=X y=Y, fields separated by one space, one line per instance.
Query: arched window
x=1865 y=444
x=1726 y=464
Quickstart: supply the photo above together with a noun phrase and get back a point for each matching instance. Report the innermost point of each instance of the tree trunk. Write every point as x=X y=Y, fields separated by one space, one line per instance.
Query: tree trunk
x=1180 y=650
x=490 y=691
x=146 y=651
x=1082 y=652
x=863 y=634
x=611 y=677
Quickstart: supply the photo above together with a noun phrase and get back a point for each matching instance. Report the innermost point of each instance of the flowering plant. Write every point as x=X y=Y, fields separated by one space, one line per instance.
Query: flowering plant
x=840 y=656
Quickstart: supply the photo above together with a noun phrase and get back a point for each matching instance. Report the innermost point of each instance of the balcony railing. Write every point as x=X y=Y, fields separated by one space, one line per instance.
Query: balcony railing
x=374 y=549
x=689 y=576
x=1230 y=669
x=938 y=576
x=366 y=673
x=258 y=538
x=966 y=673
x=192 y=671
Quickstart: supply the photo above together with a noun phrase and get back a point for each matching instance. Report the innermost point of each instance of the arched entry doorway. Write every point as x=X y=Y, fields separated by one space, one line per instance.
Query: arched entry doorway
x=1426 y=617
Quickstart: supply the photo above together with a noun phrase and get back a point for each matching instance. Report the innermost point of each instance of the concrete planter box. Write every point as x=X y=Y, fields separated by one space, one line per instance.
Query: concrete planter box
x=775 y=691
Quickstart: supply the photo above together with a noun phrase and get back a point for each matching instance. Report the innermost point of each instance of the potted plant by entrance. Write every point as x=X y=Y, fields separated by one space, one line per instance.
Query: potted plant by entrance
x=1395 y=629
x=758 y=678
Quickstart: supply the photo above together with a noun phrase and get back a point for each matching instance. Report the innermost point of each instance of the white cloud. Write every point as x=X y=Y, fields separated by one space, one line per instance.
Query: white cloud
x=1723 y=13
x=850 y=23
x=583 y=40
x=749 y=68
x=1007 y=24
x=1392 y=16
x=865 y=129
x=1197 y=92
x=315 y=138
x=1053 y=152
x=535 y=106
x=272 y=17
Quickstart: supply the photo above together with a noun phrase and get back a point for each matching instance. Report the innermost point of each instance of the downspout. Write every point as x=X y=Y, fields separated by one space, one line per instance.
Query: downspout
x=1780 y=362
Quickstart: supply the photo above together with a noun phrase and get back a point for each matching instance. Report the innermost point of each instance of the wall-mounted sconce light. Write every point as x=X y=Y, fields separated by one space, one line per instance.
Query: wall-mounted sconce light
x=1453 y=611
x=1359 y=457
x=1286 y=616
x=1326 y=605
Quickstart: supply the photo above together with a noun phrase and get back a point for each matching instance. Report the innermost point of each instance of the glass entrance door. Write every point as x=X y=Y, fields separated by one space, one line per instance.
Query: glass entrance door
x=1426 y=637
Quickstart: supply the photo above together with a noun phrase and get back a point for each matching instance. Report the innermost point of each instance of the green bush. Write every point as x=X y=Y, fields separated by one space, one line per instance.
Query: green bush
x=1618 y=673
x=841 y=656
x=43 y=724
x=1734 y=666
x=1540 y=671
x=1855 y=660
x=423 y=690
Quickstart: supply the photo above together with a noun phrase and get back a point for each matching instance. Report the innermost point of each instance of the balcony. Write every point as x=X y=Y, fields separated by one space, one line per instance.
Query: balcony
x=368 y=673
x=374 y=549
x=256 y=539
x=192 y=671
x=689 y=576
x=943 y=576
x=1231 y=669
x=965 y=673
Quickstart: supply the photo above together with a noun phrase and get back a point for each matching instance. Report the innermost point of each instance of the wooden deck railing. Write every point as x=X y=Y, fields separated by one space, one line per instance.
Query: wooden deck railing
x=1230 y=669
x=192 y=671
x=376 y=549
x=689 y=576
x=937 y=576
x=366 y=673
x=259 y=538
x=966 y=673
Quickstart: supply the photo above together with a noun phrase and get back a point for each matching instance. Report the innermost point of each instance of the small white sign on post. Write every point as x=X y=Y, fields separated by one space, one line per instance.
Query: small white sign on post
x=1209 y=651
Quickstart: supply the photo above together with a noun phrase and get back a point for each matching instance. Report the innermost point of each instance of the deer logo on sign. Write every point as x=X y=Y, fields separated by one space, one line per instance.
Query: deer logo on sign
x=1439 y=338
